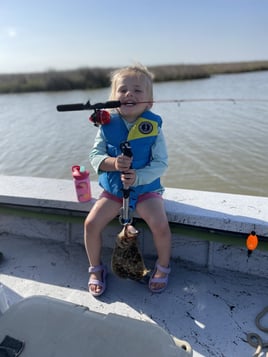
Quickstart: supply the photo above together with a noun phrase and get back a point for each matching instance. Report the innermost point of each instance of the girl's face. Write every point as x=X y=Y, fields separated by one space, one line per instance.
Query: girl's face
x=131 y=90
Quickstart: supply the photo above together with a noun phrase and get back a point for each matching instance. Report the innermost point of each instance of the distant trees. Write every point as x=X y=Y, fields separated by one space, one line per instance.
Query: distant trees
x=89 y=78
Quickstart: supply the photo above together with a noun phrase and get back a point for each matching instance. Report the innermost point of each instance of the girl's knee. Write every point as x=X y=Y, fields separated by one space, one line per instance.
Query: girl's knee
x=86 y=222
x=160 y=227
x=89 y=224
x=92 y=225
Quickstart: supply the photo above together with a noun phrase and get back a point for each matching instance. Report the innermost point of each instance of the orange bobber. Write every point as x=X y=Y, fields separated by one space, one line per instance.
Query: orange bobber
x=252 y=242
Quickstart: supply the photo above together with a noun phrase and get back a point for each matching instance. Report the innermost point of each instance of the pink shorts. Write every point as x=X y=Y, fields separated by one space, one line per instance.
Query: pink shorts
x=143 y=197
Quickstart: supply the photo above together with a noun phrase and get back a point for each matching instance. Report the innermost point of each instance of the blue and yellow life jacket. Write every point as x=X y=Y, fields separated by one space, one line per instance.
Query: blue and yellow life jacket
x=141 y=137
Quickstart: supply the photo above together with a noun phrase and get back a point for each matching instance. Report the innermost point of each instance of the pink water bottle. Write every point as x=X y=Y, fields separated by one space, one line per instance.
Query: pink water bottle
x=82 y=183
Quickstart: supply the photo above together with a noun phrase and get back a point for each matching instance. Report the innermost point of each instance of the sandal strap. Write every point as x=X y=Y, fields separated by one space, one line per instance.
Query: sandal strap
x=159 y=280
x=163 y=269
x=96 y=269
x=96 y=282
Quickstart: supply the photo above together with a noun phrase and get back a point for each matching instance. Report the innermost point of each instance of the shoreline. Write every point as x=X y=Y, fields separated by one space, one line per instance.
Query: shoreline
x=96 y=77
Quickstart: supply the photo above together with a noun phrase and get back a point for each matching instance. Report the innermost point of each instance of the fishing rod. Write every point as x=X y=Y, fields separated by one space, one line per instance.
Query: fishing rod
x=111 y=104
x=100 y=116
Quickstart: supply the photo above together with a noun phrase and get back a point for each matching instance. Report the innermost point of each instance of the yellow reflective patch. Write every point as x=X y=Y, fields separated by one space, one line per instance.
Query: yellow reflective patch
x=143 y=128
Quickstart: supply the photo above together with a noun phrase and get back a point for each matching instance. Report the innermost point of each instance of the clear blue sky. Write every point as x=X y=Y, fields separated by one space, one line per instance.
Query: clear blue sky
x=66 y=34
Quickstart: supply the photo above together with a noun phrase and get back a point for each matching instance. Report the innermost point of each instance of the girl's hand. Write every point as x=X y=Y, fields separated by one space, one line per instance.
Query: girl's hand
x=128 y=177
x=122 y=163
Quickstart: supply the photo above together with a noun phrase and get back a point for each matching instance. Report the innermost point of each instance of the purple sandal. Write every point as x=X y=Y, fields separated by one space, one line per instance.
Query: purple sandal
x=102 y=284
x=163 y=280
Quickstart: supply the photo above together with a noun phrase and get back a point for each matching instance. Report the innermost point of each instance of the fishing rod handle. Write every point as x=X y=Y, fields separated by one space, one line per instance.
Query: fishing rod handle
x=70 y=107
x=80 y=106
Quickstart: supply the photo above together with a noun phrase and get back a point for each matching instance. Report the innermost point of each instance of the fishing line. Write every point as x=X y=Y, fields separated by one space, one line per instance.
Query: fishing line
x=185 y=100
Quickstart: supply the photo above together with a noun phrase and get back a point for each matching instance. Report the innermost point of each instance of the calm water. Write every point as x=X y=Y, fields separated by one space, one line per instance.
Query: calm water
x=213 y=146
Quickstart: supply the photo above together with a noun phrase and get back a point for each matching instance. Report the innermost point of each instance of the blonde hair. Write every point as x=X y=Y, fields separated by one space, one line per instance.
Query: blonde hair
x=137 y=70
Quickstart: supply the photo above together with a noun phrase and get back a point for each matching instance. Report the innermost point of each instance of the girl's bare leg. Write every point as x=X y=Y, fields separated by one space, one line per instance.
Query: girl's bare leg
x=100 y=215
x=153 y=212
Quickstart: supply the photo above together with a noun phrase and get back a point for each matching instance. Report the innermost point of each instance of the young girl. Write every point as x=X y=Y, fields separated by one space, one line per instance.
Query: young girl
x=132 y=121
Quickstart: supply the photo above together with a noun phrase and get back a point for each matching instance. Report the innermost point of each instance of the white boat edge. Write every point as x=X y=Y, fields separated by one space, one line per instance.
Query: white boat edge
x=208 y=228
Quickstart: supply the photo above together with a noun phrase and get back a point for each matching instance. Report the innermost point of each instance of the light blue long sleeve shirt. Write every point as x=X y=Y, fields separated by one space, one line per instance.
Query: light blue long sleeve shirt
x=145 y=175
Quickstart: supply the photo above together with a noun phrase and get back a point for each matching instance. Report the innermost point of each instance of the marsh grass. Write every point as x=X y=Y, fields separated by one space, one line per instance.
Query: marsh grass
x=90 y=78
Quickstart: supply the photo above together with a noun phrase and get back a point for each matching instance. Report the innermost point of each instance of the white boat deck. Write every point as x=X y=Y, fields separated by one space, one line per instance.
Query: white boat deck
x=212 y=310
